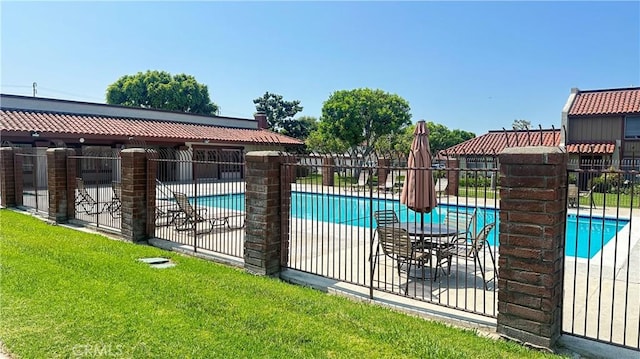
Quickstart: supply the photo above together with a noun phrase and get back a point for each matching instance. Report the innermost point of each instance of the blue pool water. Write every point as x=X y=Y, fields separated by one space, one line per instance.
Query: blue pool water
x=584 y=238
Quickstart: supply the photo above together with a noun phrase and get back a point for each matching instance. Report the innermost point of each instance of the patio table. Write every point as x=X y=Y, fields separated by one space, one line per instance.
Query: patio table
x=428 y=236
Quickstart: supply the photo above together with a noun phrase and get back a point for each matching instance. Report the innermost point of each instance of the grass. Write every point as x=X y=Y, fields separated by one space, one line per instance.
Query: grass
x=70 y=293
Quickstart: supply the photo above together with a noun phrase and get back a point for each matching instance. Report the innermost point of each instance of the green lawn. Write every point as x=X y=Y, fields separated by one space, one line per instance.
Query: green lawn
x=67 y=293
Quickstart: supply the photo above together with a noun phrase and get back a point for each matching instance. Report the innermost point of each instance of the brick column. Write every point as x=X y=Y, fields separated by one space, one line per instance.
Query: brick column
x=327 y=171
x=383 y=171
x=453 y=177
x=61 y=184
x=533 y=213
x=267 y=225
x=138 y=194
x=7 y=177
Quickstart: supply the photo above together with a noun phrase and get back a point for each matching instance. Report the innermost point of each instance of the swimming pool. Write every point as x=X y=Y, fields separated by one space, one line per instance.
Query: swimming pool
x=585 y=235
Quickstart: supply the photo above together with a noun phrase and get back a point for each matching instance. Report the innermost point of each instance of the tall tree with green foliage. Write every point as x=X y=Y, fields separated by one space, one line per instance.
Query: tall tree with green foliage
x=300 y=127
x=440 y=138
x=360 y=117
x=161 y=90
x=279 y=112
x=521 y=125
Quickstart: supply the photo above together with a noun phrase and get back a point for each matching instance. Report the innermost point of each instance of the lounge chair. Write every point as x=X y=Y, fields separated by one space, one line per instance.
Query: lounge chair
x=392 y=181
x=572 y=195
x=589 y=194
x=397 y=245
x=468 y=249
x=441 y=185
x=189 y=217
x=114 y=206
x=166 y=207
x=363 y=180
x=84 y=201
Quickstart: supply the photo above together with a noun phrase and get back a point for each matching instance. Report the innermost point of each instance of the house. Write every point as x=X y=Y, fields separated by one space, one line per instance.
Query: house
x=601 y=128
x=92 y=128
x=482 y=152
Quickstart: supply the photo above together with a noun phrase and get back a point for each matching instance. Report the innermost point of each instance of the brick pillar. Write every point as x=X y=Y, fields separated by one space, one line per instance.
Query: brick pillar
x=61 y=184
x=453 y=177
x=533 y=213
x=7 y=177
x=138 y=194
x=327 y=171
x=267 y=225
x=383 y=171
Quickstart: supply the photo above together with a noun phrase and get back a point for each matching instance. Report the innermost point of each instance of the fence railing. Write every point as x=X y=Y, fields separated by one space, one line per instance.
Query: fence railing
x=334 y=231
x=35 y=194
x=98 y=190
x=602 y=266
x=200 y=203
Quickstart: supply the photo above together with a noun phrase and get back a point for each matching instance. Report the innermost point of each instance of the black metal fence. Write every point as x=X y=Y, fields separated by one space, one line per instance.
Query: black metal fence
x=35 y=194
x=602 y=263
x=97 y=188
x=200 y=199
x=350 y=226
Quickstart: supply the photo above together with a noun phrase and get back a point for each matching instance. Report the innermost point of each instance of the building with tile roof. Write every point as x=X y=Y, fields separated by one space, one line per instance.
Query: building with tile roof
x=602 y=126
x=599 y=128
x=482 y=151
x=40 y=123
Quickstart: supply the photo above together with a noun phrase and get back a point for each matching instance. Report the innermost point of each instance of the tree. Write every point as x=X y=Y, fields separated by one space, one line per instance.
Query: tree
x=440 y=138
x=521 y=125
x=160 y=90
x=278 y=111
x=360 y=117
x=299 y=128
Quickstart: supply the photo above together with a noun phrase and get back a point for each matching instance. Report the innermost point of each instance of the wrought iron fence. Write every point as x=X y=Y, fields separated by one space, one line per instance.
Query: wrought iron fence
x=602 y=265
x=35 y=194
x=98 y=187
x=348 y=223
x=200 y=199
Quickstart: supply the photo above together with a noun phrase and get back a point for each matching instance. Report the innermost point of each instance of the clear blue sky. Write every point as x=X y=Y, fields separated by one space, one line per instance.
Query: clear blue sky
x=473 y=66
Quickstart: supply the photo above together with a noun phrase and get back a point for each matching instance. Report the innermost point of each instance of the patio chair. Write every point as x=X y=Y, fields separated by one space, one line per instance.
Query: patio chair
x=397 y=245
x=114 y=206
x=384 y=218
x=441 y=185
x=465 y=222
x=391 y=181
x=468 y=249
x=84 y=202
x=572 y=195
x=189 y=217
x=589 y=194
x=166 y=207
x=363 y=180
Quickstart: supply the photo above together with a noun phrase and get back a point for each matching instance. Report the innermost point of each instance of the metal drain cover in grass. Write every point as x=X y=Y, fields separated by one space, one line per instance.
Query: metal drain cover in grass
x=158 y=262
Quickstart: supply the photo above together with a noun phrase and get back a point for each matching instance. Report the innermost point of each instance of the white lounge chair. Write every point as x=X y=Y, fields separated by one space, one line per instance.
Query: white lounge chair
x=441 y=185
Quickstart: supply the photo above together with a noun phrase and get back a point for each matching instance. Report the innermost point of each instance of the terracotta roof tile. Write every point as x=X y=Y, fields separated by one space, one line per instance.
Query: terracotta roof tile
x=11 y=120
x=591 y=148
x=494 y=142
x=606 y=102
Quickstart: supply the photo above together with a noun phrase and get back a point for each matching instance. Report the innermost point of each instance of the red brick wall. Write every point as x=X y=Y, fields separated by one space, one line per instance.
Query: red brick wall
x=266 y=232
x=7 y=177
x=532 y=220
x=61 y=185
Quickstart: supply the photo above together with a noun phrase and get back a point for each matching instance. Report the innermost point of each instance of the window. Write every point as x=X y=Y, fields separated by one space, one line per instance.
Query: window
x=632 y=127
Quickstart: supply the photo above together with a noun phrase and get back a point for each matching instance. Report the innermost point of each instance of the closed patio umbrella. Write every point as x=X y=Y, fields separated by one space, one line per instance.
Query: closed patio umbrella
x=418 y=191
